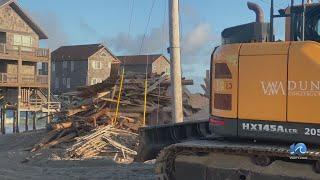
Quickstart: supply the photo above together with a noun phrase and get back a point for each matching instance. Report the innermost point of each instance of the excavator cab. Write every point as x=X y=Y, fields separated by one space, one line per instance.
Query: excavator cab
x=305 y=22
x=302 y=23
x=267 y=89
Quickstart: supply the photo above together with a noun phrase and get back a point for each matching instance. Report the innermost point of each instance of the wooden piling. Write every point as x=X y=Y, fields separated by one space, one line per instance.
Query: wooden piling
x=1 y=120
x=14 y=121
x=34 y=120
x=1 y=116
x=17 y=120
x=27 y=121
x=4 y=117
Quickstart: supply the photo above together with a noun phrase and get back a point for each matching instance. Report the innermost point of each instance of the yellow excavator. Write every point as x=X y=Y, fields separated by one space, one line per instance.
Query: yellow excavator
x=264 y=106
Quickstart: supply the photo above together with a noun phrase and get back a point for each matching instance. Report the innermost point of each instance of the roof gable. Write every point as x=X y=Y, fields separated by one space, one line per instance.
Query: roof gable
x=115 y=59
x=25 y=17
x=140 y=59
x=79 y=52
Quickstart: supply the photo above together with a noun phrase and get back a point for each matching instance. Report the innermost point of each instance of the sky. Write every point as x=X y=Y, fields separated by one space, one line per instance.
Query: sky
x=71 y=22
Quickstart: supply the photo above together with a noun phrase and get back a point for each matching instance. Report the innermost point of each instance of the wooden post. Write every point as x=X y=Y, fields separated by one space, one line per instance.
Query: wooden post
x=18 y=110
x=4 y=121
x=34 y=120
x=1 y=115
x=49 y=87
x=27 y=121
x=19 y=90
x=14 y=121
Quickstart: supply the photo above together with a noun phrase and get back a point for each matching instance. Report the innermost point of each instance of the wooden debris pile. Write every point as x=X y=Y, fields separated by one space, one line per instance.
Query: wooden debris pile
x=116 y=143
x=95 y=105
x=91 y=115
x=206 y=85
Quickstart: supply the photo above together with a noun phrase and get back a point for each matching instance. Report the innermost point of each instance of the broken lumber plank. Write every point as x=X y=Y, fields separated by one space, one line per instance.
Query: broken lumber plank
x=62 y=125
x=60 y=140
x=156 y=84
x=120 y=146
x=52 y=134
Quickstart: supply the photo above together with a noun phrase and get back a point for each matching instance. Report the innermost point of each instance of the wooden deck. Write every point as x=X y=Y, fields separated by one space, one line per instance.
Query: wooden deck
x=11 y=80
x=24 y=53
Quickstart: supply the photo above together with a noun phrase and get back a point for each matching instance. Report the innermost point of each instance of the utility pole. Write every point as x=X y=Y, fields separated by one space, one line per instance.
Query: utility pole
x=174 y=49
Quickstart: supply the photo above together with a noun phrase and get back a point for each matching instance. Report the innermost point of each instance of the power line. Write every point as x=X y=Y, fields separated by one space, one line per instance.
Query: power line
x=147 y=66
x=147 y=26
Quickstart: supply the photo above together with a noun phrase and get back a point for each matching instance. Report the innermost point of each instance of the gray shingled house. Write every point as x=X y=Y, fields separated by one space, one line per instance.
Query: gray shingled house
x=158 y=63
x=81 y=65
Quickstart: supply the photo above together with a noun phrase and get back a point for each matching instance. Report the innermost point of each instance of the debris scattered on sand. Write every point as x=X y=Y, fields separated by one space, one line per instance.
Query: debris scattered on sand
x=91 y=120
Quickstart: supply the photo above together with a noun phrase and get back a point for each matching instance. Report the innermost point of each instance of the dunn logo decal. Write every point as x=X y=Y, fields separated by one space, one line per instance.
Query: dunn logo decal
x=295 y=88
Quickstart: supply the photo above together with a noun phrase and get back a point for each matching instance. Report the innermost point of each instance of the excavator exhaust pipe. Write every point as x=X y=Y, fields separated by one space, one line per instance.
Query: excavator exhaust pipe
x=257 y=10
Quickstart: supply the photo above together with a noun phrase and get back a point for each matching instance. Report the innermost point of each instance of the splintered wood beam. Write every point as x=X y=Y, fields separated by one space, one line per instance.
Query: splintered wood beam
x=156 y=84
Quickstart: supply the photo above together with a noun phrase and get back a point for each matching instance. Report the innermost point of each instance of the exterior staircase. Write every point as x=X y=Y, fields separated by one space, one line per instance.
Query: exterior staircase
x=36 y=100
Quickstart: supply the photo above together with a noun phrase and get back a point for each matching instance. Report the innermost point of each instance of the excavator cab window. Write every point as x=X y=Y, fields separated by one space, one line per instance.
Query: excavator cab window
x=312 y=23
x=318 y=27
x=222 y=71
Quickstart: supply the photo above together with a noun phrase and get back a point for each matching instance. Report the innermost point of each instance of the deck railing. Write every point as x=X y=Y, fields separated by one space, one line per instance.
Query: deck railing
x=24 y=51
x=41 y=103
x=6 y=78
x=42 y=79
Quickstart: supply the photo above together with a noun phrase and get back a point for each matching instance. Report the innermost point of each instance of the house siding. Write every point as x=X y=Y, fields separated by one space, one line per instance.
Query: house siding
x=12 y=23
x=106 y=65
x=83 y=71
x=161 y=65
x=77 y=77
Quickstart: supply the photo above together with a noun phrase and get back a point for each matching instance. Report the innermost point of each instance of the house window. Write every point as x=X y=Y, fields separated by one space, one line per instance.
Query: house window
x=96 y=64
x=109 y=65
x=167 y=71
x=65 y=64
x=64 y=81
x=154 y=68
x=96 y=81
x=93 y=81
x=53 y=67
x=56 y=83
x=68 y=82
x=72 y=66
x=24 y=41
x=17 y=40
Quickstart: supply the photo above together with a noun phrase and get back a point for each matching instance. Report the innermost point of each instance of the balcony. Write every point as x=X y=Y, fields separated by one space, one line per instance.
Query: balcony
x=6 y=78
x=26 y=53
x=11 y=80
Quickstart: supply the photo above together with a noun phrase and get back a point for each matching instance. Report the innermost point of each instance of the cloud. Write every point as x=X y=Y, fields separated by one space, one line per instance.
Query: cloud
x=196 y=41
x=52 y=26
x=154 y=42
x=88 y=31
x=189 y=12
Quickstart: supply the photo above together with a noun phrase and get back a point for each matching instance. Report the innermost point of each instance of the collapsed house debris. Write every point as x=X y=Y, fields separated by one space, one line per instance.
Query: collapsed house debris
x=206 y=85
x=90 y=116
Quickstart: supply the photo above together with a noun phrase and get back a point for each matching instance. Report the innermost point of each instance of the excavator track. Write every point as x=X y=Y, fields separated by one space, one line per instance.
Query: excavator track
x=165 y=164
